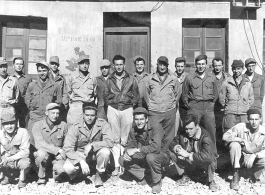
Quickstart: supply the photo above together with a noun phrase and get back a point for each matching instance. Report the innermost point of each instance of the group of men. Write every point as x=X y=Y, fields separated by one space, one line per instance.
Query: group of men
x=144 y=120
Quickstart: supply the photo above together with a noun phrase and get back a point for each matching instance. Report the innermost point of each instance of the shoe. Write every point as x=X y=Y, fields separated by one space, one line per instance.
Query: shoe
x=157 y=187
x=41 y=181
x=234 y=185
x=98 y=181
x=183 y=181
x=142 y=182
x=115 y=172
x=5 y=181
x=22 y=184
x=213 y=186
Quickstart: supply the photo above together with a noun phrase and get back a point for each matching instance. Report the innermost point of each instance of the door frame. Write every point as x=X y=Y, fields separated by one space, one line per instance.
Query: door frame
x=128 y=30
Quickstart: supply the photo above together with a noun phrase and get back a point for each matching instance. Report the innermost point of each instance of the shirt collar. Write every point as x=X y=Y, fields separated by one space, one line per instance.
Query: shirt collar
x=197 y=136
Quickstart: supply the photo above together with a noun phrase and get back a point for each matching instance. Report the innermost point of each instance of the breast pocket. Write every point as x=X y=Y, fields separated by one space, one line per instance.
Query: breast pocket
x=256 y=88
x=35 y=95
x=209 y=87
x=8 y=91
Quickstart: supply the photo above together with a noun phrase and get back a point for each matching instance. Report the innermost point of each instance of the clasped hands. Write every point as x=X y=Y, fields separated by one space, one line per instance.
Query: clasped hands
x=130 y=152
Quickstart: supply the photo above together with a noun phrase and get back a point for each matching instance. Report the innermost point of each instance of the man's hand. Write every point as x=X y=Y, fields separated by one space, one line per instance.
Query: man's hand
x=4 y=160
x=61 y=155
x=126 y=157
x=84 y=167
x=87 y=149
x=249 y=162
x=183 y=153
x=132 y=151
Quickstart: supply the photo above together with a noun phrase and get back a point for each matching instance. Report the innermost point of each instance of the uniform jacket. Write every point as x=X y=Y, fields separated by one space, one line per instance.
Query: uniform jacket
x=49 y=140
x=181 y=80
x=205 y=146
x=79 y=136
x=256 y=140
x=258 y=90
x=141 y=80
x=18 y=146
x=162 y=97
x=37 y=98
x=23 y=83
x=198 y=89
x=234 y=100
x=125 y=98
x=102 y=108
x=9 y=91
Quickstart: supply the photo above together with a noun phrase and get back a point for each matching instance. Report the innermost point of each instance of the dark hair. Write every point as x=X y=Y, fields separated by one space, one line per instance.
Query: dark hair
x=191 y=118
x=218 y=60
x=42 y=66
x=139 y=59
x=89 y=106
x=18 y=58
x=118 y=57
x=145 y=115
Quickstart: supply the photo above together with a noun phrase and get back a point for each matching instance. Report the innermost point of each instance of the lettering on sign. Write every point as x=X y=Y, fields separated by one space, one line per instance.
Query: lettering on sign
x=77 y=39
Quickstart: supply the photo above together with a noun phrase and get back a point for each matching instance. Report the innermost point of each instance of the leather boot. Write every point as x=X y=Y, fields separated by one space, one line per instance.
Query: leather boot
x=234 y=185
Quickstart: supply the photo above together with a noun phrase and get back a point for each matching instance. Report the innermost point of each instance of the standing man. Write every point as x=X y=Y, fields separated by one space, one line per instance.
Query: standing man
x=102 y=84
x=247 y=139
x=180 y=64
x=236 y=96
x=88 y=139
x=144 y=150
x=257 y=82
x=82 y=88
x=121 y=96
x=141 y=77
x=23 y=83
x=49 y=135
x=9 y=90
x=60 y=80
x=39 y=94
x=199 y=93
x=163 y=95
x=220 y=76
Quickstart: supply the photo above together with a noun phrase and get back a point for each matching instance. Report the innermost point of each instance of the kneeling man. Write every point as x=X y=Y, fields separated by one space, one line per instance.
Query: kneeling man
x=194 y=149
x=143 y=150
x=49 y=135
x=15 y=142
x=246 y=142
x=88 y=139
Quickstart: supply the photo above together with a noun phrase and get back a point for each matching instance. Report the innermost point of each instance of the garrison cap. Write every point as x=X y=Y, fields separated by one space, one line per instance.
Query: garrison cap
x=54 y=59
x=104 y=63
x=137 y=57
x=163 y=60
x=90 y=105
x=250 y=60
x=253 y=111
x=140 y=110
x=8 y=117
x=52 y=106
x=237 y=63
x=42 y=63
x=3 y=61
x=218 y=59
x=201 y=57
x=83 y=58
x=180 y=59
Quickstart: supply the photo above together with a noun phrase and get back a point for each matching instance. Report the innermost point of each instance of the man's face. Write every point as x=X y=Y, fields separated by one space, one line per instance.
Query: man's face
x=119 y=66
x=237 y=71
x=3 y=70
x=54 y=66
x=254 y=120
x=10 y=127
x=217 y=66
x=43 y=72
x=105 y=70
x=139 y=66
x=53 y=115
x=201 y=66
x=90 y=116
x=84 y=65
x=140 y=121
x=180 y=67
x=18 y=65
x=162 y=68
x=191 y=129
x=251 y=67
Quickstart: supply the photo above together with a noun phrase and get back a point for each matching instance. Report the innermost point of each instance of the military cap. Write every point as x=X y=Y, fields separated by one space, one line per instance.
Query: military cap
x=218 y=59
x=54 y=59
x=52 y=106
x=90 y=105
x=137 y=57
x=180 y=59
x=237 y=63
x=104 y=63
x=253 y=111
x=140 y=110
x=250 y=60
x=3 y=61
x=82 y=58
x=8 y=117
x=201 y=57
x=163 y=59
x=42 y=63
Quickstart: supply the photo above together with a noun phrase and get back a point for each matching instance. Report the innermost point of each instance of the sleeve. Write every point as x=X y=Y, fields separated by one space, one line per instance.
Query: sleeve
x=95 y=87
x=222 y=94
x=15 y=93
x=262 y=90
x=107 y=138
x=251 y=95
x=177 y=90
x=28 y=96
x=136 y=94
x=174 y=143
x=206 y=152
x=185 y=91
x=215 y=90
x=147 y=90
x=231 y=134
x=65 y=98
x=40 y=143
x=261 y=154
x=69 y=87
x=132 y=142
x=106 y=92
x=101 y=108
x=24 y=146
x=57 y=94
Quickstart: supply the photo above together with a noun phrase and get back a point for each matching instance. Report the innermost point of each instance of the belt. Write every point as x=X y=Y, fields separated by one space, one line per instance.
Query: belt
x=5 y=105
x=203 y=100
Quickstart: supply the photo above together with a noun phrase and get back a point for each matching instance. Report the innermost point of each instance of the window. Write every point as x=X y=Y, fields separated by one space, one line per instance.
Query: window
x=24 y=37
x=204 y=36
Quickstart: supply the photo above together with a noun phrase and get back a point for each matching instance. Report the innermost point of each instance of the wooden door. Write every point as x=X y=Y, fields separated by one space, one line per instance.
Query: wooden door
x=128 y=42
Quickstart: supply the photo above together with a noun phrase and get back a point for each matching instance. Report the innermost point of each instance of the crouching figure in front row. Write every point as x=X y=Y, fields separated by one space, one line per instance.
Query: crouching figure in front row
x=193 y=150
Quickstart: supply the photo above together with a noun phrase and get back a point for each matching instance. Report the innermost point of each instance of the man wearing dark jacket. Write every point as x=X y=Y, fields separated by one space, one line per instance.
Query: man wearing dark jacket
x=144 y=150
x=192 y=149
x=121 y=95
